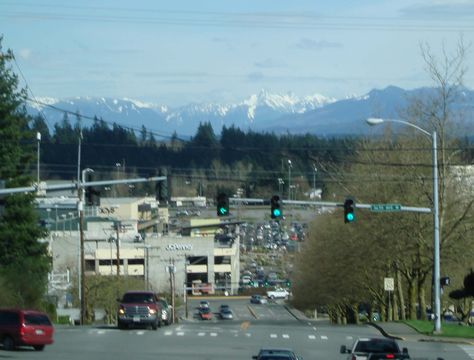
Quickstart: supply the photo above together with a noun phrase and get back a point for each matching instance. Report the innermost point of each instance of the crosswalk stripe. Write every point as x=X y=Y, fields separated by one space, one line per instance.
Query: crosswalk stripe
x=213 y=334
x=324 y=337
x=248 y=334
x=468 y=349
x=140 y=332
x=201 y=334
x=180 y=333
x=312 y=337
x=286 y=336
x=168 y=333
x=349 y=337
x=273 y=336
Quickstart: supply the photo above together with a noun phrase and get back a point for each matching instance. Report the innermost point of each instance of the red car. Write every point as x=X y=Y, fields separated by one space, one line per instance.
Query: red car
x=25 y=328
x=205 y=314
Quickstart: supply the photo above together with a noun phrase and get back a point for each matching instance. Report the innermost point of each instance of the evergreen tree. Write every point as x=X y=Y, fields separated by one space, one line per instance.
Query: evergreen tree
x=24 y=261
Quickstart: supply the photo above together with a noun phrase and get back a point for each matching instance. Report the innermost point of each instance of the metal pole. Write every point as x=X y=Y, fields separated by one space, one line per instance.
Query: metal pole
x=82 y=278
x=437 y=285
x=38 y=138
x=186 y=286
x=117 y=224
x=289 y=179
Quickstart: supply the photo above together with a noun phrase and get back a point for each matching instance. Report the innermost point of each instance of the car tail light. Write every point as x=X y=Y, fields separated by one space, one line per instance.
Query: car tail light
x=390 y=356
x=353 y=357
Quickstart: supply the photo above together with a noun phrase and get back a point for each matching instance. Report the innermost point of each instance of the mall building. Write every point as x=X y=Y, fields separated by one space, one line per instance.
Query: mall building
x=131 y=235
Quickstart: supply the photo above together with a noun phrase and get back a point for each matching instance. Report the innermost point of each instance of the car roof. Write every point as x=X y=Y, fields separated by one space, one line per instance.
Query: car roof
x=275 y=351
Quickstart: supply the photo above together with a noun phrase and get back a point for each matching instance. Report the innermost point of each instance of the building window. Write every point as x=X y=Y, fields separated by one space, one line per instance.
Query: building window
x=219 y=260
x=136 y=261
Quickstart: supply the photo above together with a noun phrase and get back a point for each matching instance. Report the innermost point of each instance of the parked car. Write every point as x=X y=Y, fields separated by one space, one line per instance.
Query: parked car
x=204 y=304
x=364 y=347
x=166 y=312
x=226 y=314
x=276 y=354
x=139 y=308
x=257 y=299
x=25 y=328
x=205 y=314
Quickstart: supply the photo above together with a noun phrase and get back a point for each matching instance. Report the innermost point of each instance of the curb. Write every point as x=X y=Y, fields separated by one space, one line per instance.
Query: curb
x=430 y=339
x=384 y=333
x=292 y=313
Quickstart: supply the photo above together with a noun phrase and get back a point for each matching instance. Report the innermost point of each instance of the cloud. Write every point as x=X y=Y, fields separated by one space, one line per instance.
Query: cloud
x=269 y=63
x=255 y=76
x=440 y=9
x=309 y=44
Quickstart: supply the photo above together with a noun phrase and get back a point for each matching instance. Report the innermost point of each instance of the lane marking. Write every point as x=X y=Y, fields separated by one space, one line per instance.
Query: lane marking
x=314 y=328
x=468 y=349
x=312 y=337
x=273 y=336
x=201 y=334
x=180 y=333
x=349 y=337
x=286 y=336
x=324 y=337
x=213 y=334
x=248 y=334
x=168 y=333
x=309 y=323
x=141 y=332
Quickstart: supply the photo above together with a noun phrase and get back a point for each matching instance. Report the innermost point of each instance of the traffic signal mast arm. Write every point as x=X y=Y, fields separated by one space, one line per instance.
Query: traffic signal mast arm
x=326 y=204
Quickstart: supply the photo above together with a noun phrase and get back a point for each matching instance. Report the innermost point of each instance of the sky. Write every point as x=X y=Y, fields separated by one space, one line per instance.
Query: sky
x=183 y=51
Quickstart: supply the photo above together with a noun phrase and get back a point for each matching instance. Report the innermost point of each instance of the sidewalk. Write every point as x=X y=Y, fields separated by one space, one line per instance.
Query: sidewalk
x=400 y=331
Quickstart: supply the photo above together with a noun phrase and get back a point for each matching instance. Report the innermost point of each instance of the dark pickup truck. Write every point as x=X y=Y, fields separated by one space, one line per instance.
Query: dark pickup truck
x=139 y=308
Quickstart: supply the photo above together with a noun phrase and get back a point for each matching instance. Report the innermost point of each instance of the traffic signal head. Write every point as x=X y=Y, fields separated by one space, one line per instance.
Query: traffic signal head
x=222 y=205
x=275 y=207
x=349 y=210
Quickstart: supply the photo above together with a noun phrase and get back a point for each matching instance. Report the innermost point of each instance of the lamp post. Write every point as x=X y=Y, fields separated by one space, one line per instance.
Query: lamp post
x=38 y=139
x=315 y=170
x=436 y=240
x=82 y=271
x=280 y=185
x=289 y=179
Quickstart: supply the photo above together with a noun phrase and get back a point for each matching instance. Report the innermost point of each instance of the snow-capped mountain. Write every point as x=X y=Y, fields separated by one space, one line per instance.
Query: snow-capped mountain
x=261 y=109
x=264 y=111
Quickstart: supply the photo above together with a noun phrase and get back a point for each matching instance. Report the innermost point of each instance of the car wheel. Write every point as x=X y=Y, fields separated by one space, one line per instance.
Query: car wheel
x=8 y=343
x=39 y=347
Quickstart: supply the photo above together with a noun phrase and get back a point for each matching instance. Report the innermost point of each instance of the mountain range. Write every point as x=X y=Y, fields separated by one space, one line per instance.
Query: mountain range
x=287 y=113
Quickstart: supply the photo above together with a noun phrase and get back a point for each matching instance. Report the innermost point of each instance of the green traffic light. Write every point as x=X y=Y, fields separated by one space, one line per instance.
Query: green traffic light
x=350 y=217
x=276 y=212
x=223 y=210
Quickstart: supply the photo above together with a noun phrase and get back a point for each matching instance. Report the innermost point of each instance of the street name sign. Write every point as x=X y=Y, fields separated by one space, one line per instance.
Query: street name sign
x=385 y=207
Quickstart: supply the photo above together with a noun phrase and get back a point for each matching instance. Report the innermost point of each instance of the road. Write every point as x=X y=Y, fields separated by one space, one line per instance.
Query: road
x=254 y=327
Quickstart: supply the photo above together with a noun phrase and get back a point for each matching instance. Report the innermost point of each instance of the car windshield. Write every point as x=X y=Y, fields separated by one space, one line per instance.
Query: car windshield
x=138 y=298
x=36 y=319
x=376 y=346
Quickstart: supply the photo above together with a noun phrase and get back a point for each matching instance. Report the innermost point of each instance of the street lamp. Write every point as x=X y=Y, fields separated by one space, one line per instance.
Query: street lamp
x=38 y=139
x=436 y=245
x=315 y=170
x=82 y=277
x=289 y=179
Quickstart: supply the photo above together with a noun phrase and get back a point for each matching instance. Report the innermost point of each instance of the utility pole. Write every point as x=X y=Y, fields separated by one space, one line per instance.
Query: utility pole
x=117 y=228
x=82 y=271
x=186 y=286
